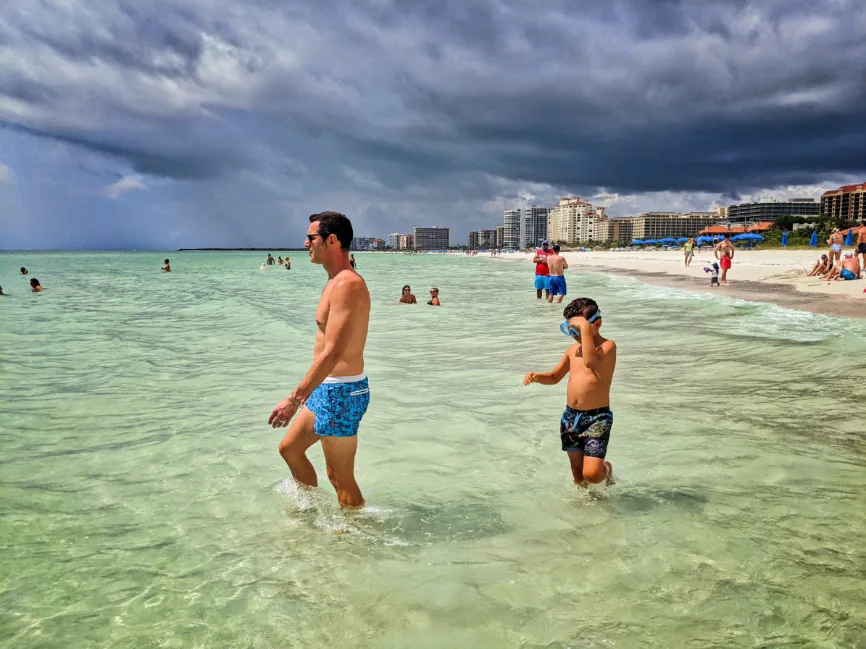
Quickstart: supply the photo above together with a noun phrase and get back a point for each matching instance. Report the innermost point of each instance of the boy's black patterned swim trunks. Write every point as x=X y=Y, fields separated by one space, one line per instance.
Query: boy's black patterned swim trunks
x=586 y=431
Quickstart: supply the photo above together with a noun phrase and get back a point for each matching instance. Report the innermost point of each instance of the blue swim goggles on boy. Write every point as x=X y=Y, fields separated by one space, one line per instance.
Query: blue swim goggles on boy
x=574 y=332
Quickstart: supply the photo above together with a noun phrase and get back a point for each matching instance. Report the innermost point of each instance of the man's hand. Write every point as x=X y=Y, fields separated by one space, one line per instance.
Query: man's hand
x=532 y=377
x=283 y=413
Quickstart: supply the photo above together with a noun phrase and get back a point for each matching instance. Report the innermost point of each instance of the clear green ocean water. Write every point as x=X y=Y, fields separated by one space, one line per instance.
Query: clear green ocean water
x=144 y=503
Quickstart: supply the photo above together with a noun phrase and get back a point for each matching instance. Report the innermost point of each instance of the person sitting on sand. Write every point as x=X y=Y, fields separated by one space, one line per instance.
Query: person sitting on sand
x=590 y=362
x=847 y=270
x=822 y=266
x=434 y=297
x=24 y=271
x=167 y=266
x=407 y=297
x=35 y=286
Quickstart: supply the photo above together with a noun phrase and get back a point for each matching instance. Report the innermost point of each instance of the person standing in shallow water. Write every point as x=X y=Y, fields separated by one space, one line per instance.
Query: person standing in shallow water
x=556 y=264
x=434 y=297
x=270 y=259
x=167 y=266
x=333 y=396
x=352 y=262
x=35 y=286
x=587 y=421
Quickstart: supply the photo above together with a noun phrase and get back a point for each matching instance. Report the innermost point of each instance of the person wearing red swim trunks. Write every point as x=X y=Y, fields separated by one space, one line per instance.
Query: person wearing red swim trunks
x=724 y=252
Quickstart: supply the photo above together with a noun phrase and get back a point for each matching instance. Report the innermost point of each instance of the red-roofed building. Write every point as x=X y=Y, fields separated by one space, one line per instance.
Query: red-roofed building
x=848 y=203
x=763 y=226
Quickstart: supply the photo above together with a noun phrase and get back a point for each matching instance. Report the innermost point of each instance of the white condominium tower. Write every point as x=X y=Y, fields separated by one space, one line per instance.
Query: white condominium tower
x=512 y=229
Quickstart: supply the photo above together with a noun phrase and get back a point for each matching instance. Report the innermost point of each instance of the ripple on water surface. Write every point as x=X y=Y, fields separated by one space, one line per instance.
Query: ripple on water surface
x=144 y=502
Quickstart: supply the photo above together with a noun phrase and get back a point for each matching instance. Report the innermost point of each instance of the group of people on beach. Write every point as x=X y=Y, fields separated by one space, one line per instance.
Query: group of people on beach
x=35 y=286
x=838 y=266
x=327 y=405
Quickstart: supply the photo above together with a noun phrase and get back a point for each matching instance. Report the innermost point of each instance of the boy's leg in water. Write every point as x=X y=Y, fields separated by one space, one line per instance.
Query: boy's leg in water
x=576 y=460
x=596 y=469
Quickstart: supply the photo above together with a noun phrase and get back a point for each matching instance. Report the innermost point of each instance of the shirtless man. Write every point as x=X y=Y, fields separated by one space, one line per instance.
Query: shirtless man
x=861 y=244
x=556 y=264
x=724 y=252
x=587 y=421
x=166 y=266
x=333 y=396
x=847 y=270
x=835 y=241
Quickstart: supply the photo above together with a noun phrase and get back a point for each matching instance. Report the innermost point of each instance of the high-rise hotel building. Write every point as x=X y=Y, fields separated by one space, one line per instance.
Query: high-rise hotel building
x=511 y=229
x=434 y=238
x=845 y=203
x=534 y=226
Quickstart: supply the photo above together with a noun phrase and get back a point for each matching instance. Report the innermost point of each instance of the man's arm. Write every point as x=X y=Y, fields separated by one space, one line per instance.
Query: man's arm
x=549 y=378
x=716 y=250
x=564 y=264
x=344 y=300
x=537 y=259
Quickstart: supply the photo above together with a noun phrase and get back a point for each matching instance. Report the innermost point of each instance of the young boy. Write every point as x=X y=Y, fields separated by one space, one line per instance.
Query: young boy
x=587 y=420
x=714 y=274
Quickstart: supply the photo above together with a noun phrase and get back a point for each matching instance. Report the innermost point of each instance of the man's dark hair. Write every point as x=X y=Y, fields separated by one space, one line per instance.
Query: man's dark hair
x=166 y=261
x=336 y=224
x=727 y=235
x=582 y=306
x=555 y=247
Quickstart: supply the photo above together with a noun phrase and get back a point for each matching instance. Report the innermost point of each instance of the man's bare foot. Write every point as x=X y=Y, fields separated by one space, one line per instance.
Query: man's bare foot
x=608 y=478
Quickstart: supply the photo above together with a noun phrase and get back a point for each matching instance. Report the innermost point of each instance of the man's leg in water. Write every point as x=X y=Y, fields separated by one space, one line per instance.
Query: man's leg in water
x=340 y=460
x=294 y=447
x=538 y=293
x=596 y=469
x=576 y=460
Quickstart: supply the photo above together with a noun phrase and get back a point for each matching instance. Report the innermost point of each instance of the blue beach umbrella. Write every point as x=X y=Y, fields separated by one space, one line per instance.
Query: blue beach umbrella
x=637 y=242
x=814 y=240
x=682 y=240
x=785 y=238
x=651 y=242
x=849 y=240
x=668 y=240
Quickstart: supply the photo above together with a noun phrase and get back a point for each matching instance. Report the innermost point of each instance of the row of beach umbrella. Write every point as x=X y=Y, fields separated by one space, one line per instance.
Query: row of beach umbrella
x=748 y=236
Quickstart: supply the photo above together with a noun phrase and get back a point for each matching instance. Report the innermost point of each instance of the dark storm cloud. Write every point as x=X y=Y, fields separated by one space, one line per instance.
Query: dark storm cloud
x=406 y=102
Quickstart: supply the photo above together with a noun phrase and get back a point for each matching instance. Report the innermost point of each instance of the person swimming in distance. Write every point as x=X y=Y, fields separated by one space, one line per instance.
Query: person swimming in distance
x=35 y=286
x=352 y=262
x=167 y=266
x=406 y=296
x=434 y=297
x=24 y=271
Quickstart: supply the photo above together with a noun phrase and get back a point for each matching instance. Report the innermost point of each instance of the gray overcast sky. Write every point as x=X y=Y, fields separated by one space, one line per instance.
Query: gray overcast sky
x=208 y=123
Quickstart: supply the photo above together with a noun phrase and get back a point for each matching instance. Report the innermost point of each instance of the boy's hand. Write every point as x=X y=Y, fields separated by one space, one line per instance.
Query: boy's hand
x=530 y=378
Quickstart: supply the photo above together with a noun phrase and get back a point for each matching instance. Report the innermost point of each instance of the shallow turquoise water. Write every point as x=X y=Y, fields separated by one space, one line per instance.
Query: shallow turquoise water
x=144 y=503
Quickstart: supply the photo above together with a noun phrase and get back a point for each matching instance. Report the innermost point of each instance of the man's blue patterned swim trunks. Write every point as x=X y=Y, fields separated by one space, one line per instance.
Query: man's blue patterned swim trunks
x=339 y=404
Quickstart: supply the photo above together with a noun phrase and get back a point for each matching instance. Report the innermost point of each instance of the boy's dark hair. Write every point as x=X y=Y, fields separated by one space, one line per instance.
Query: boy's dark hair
x=336 y=224
x=555 y=247
x=166 y=261
x=582 y=306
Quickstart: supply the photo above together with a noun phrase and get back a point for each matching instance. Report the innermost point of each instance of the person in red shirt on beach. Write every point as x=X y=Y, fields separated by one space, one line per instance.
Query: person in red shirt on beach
x=542 y=272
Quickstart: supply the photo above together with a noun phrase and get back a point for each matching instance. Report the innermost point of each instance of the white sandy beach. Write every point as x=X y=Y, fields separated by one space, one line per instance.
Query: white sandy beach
x=780 y=268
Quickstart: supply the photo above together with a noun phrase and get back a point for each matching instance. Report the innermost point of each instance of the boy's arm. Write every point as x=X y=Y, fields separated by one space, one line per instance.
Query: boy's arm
x=549 y=378
x=595 y=357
